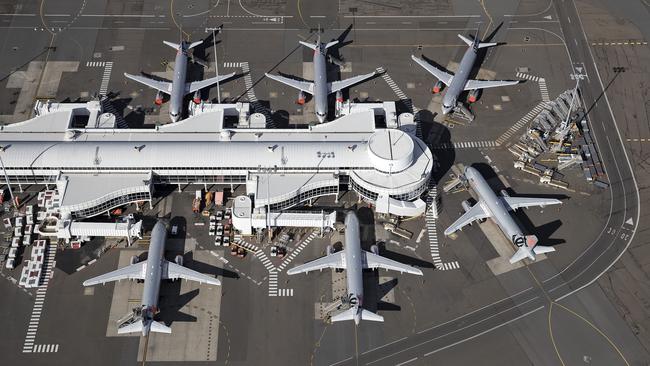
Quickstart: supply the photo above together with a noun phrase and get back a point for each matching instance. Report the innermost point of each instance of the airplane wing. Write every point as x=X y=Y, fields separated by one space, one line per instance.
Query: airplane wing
x=443 y=76
x=163 y=86
x=173 y=271
x=372 y=260
x=132 y=272
x=342 y=84
x=475 y=213
x=336 y=260
x=193 y=86
x=484 y=84
x=305 y=86
x=519 y=202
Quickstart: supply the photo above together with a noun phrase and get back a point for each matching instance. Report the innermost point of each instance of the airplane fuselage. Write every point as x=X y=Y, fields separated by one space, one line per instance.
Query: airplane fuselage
x=320 y=82
x=494 y=206
x=457 y=85
x=177 y=94
x=153 y=275
x=354 y=264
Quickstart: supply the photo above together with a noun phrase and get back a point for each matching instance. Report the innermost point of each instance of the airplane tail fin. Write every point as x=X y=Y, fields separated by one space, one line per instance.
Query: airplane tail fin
x=160 y=328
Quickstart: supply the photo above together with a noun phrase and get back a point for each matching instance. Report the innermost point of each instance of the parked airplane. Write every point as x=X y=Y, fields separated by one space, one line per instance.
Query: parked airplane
x=461 y=82
x=320 y=88
x=495 y=207
x=179 y=87
x=151 y=271
x=354 y=260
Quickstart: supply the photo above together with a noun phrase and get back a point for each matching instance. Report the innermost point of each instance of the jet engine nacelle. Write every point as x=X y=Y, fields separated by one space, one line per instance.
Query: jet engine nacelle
x=159 y=98
x=504 y=193
x=134 y=259
x=437 y=87
x=473 y=96
x=179 y=260
x=466 y=206
x=197 y=97
x=339 y=96
x=301 y=98
x=374 y=249
x=330 y=250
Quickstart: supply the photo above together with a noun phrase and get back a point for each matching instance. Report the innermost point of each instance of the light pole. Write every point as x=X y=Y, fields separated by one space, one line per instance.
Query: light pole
x=216 y=62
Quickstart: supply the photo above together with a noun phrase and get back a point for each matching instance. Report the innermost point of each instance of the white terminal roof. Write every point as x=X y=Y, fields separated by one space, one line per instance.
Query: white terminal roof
x=200 y=142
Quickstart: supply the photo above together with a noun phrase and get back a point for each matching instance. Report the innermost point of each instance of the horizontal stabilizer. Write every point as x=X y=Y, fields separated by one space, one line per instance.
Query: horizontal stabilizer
x=194 y=44
x=309 y=45
x=486 y=44
x=173 y=45
x=135 y=327
x=521 y=253
x=352 y=312
x=469 y=42
x=543 y=249
x=330 y=44
x=160 y=328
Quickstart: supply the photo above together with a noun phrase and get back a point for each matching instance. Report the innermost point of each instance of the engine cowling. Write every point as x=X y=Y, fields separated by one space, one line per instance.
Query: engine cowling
x=472 y=96
x=197 y=97
x=179 y=260
x=437 y=87
x=159 y=98
x=374 y=249
x=301 y=98
x=330 y=250
x=466 y=206
x=339 y=96
x=134 y=259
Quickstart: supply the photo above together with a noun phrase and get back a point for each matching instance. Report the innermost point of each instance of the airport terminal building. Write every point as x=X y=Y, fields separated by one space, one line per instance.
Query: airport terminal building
x=97 y=166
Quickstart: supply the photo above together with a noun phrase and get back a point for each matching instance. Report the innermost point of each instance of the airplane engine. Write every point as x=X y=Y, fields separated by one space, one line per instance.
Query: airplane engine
x=473 y=96
x=437 y=87
x=135 y=259
x=374 y=249
x=301 y=98
x=197 y=97
x=330 y=250
x=504 y=193
x=339 y=97
x=159 y=98
x=466 y=206
x=179 y=260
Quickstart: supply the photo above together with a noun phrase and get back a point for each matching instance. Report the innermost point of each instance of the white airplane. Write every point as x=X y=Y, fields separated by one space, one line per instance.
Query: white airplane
x=461 y=81
x=151 y=271
x=497 y=208
x=354 y=260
